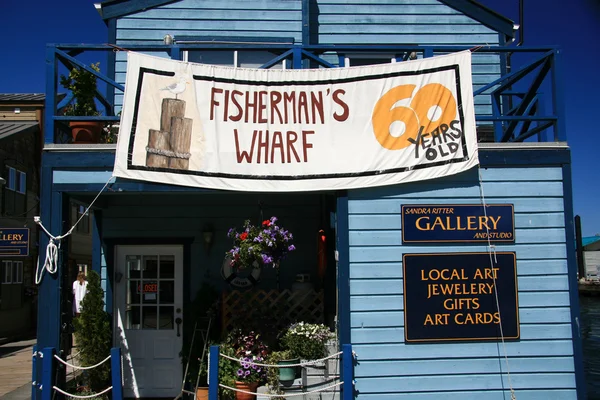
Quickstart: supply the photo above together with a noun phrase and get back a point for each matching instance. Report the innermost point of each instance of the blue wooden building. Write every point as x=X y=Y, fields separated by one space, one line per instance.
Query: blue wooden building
x=176 y=235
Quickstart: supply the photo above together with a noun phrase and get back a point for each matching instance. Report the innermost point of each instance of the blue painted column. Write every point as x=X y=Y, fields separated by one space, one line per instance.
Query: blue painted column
x=347 y=372
x=213 y=373
x=34 y=381
x=49 y=293
x=47 y=372
x=115 y=373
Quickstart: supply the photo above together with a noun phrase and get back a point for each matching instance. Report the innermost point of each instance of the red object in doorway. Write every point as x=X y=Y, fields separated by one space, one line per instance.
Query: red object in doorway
x=321 y=254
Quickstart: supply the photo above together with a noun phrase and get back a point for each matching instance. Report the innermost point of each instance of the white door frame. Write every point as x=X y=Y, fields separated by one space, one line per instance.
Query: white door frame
x=120 y=276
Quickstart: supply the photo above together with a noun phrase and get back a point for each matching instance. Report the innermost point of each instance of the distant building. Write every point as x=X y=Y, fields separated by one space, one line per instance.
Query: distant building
x=21 y=126
x=591 y=256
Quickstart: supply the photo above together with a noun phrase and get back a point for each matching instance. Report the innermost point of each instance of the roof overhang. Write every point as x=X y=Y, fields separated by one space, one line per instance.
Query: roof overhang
x=9 y=128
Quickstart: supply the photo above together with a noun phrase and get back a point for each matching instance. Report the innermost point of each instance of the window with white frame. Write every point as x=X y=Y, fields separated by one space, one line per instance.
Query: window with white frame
x=234 y=58
x=358 y=59
x=16 y=180
x=12 y=272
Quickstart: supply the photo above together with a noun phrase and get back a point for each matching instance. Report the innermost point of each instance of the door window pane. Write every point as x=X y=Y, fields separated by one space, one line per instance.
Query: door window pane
x=150 y=267
x=167 y=267
x=149 y=292
x=133 y=267
x=166 y=318
x=149 y=317
x=133 y=317
x=133 y=292
x=167 y=292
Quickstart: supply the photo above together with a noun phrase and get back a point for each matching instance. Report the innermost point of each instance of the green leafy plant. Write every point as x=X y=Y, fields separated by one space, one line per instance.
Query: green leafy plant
x=82 y=85
x=93 y=335
x=227 y=371
x=307 y=341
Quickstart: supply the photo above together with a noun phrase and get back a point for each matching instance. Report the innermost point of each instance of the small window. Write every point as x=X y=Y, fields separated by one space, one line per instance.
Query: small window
x=17 y=180
x=17 y=273
x=359 y=59
x=12 y=178
x=235 y=58
x=6 y=272
x=22 y=183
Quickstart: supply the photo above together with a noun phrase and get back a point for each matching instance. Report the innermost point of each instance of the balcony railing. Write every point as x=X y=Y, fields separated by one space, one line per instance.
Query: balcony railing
x=521 y=103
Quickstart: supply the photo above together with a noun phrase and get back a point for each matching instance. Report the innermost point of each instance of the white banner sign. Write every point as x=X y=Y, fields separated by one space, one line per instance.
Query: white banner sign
x=296 y=130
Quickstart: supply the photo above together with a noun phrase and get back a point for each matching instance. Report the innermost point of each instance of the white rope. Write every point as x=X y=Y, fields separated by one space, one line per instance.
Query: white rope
x=76 y=367
x=81 y=397
x=283 y=395
x=492 y=250
x=280 y=366
x=51 y=260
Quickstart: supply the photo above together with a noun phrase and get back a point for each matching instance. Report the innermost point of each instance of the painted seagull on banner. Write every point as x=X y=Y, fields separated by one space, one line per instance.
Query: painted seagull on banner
x=177 y=88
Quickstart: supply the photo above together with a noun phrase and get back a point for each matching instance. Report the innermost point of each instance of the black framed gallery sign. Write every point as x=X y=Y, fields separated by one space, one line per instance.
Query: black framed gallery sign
x=458 y=223
x=460 y=296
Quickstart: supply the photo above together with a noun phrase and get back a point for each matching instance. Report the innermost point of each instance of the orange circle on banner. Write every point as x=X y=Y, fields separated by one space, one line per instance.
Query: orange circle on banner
x=413 y=117
x=434 y=95
x=384 y=115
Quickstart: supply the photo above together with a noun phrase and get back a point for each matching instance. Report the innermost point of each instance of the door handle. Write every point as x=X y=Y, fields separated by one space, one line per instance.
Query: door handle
x=178 y=321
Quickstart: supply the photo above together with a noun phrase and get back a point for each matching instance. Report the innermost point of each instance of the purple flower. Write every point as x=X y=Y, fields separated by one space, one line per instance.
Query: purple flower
x=240 y=372
x=291 y=247
x=246 y=373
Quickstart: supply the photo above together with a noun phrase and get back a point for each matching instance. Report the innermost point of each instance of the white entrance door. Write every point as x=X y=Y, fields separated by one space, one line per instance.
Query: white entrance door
x=149 y=300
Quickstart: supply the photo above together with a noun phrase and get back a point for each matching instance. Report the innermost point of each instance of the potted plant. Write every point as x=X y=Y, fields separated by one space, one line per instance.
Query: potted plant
x=82 y=85
x=307 y=341
x=249 y=349
x=281 y=374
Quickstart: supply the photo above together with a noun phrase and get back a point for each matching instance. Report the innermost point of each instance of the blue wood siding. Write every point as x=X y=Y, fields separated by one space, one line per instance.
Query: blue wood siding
x=541 y=363
x=242 y=18
x=407 y=22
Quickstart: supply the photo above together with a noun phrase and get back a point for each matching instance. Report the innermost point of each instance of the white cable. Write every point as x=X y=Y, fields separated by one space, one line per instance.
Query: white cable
x=492 y=249
x=76 y=367
x=280 y=366
x=82 y=397
x=283 y=395
x=51 y=260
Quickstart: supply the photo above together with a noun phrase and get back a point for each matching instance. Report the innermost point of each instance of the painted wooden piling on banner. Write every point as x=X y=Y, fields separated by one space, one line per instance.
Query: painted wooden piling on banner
x=169 y=147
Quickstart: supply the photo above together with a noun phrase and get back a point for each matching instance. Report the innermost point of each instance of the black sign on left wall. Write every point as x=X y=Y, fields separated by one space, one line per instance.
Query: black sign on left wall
x=452 y=297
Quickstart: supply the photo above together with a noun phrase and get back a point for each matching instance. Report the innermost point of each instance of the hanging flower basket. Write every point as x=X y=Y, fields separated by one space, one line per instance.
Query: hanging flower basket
x=256 y=246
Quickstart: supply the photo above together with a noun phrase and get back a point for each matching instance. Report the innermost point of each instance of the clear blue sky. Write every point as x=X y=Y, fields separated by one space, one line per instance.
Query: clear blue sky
x=573 y=25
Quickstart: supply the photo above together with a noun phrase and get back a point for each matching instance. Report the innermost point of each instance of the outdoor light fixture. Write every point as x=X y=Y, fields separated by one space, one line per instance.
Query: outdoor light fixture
x=168 y=39
x=208 y=234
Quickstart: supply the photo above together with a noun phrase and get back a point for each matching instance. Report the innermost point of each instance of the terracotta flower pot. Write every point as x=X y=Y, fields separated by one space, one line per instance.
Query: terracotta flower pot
x=202 y=393
x=248 y=387
x=86 y=131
